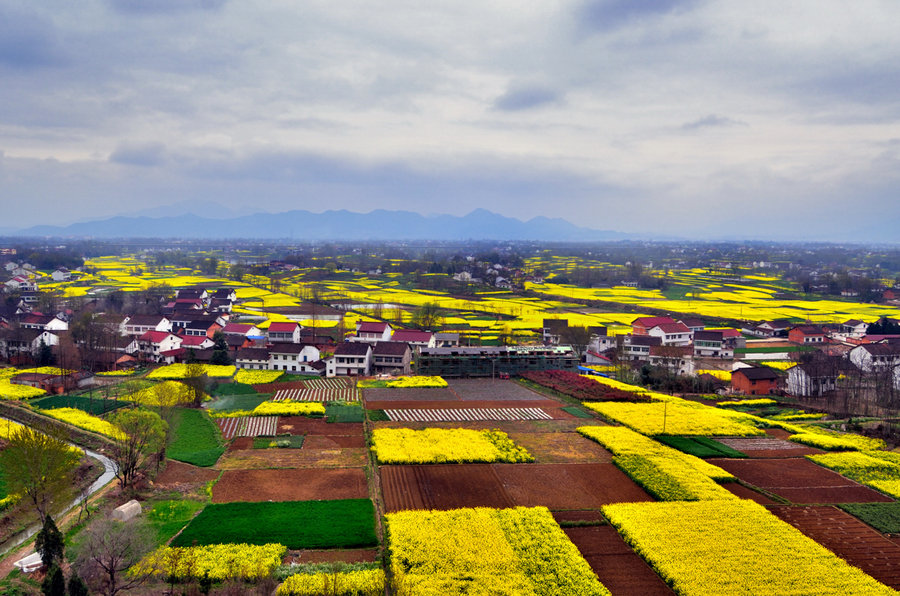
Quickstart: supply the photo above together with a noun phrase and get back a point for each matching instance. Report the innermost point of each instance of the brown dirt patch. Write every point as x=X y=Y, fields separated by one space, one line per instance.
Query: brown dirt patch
x=569 y=486
x=361 y=555
x=248 y=459
x=556 y=486
x=799 y=480
x=577 y=516
x=778 y=433
x=438 y=394
x=746 y=492
x=492 y=389
x=300 y=425
x=239 y=443
x=333 y=441
x=290 y=485
x=561 y=447
x=616 y=565
x=179 y=475
x=273 y=387
x=848 y=538
x=769 y=447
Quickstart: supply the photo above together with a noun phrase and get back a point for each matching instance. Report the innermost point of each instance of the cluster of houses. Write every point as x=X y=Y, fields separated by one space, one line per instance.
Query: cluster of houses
x=686 y=346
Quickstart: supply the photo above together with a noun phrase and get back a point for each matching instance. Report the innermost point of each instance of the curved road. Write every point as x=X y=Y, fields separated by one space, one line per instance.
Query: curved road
x=109 y=472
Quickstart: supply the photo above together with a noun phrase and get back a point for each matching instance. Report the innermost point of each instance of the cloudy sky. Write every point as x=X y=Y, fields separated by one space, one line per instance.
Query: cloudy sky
x=692 y=118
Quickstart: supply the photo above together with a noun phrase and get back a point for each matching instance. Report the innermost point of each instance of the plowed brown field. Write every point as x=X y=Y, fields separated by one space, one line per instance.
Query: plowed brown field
x=848 y=538
x=290 y=485
x=617 y=566
x=557 y=486
x=799 y=481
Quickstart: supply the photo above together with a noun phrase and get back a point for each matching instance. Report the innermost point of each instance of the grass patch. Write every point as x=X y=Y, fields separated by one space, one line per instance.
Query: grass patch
x=884 y=517
x=377 y=415
x=96 y=405
x=344 y=412
x=278 y=442
x=577 y=412
x=194 y=438
x=228 y=403
x=168 y=517
x=699 y=446
x=348 y=523
x=233 y=389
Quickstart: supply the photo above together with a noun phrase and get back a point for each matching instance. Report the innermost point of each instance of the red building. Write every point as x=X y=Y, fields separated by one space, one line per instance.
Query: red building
x=807 y=334
x=754 y=381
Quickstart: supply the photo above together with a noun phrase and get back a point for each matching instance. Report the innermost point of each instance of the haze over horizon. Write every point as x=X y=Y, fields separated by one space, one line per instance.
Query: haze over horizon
x=696 y=119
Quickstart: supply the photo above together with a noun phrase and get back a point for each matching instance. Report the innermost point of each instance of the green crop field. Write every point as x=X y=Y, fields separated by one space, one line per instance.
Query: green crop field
x=194 y=438
x=348 y=523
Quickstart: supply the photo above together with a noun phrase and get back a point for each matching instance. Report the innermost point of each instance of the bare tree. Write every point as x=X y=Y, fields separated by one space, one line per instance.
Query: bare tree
x=110 y=548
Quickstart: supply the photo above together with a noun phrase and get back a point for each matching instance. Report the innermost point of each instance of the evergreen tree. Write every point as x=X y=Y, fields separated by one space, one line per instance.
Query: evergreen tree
x=220 y=350
x=49 y=543
x=54 y=584
x=77 y=587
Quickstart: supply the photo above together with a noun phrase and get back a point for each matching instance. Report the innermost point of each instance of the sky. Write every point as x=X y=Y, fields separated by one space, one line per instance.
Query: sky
x=691 y=118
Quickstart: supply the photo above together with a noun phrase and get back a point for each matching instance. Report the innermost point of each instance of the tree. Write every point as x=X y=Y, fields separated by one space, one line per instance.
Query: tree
x=109 y=548
x=144 y=435
x=427 y=316
x=40 y=467
x=220 y=350
x=55 y=583
x=577 y=336
x=195 y=378
x=45 y=354
x=49 y=543
x=77 y=587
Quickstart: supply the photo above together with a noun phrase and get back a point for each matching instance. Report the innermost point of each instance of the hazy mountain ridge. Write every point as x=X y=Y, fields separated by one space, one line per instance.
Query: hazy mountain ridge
x=332 y=225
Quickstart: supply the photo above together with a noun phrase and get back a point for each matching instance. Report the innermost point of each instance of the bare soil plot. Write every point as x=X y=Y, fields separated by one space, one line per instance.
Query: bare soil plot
x=556 y=486
x=255 y=459
x=300 y=425
x=409 y=394
x=357 y=555
x=409 y=404
x=273 y=387
x=184 y=477
x=333 y=441
x=574 y=515
x=507 y=426
x=568 y=486
x=799 y=481
x=304 y=484
x=561 y=447
x=768 y=447
x=619 y=568
x=493 y=389
x=848 y=538
x=744 y=492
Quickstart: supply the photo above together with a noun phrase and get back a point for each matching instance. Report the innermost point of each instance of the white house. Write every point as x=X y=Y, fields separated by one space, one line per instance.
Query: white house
x=353 y=358
x=140 y=324
x=294 y=358
x=153 y=343
x=869 y=357
x=671 y=334
x=373 y=331
x=284 y=333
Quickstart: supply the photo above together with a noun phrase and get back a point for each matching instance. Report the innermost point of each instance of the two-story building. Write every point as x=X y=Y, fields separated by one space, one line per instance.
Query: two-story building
x=391 y=357
x=351 y=358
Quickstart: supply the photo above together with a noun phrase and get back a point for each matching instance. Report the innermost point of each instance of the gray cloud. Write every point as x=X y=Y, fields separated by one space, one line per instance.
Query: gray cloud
x=141 y=154
x=604 y=15
x=712 y=121
x=525 y=98
x=165 y=6
x=27 y=40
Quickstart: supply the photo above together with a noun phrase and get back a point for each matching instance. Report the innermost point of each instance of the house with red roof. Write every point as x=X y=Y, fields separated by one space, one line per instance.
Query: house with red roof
x=642 y=325
x=807 y=334
x=284 y=333
x=197 y=342
x=671 y=334
x=245 y=329
x=153 y=344
x=372 y=331
x=414 y=337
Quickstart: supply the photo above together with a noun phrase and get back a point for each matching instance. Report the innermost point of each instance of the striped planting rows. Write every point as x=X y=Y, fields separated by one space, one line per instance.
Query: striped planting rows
x=247 y=426
x=333 y=383
x=343 y=394
x=464 y=414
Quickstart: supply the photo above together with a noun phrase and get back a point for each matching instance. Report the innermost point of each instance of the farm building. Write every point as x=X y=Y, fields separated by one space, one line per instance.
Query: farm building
x=489 y=361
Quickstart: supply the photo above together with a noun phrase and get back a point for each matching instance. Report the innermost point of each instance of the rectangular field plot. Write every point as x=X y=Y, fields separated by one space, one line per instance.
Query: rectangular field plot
x=496 y=389
x=557 y=486
x=295 y=524
x=317 y=394
x=290 y=485
x=848 y=538
x=799 y=481
x=247 y=426
x=463 y=414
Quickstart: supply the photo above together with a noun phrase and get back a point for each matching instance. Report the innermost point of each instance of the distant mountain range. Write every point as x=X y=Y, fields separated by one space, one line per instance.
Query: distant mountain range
x=331 y=225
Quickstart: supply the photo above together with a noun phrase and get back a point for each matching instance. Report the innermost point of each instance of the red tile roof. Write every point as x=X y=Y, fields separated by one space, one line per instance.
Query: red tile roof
x=412 y=335
x=648 y=322
x=155 y=336
x=283 y=327
x=371 y=327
